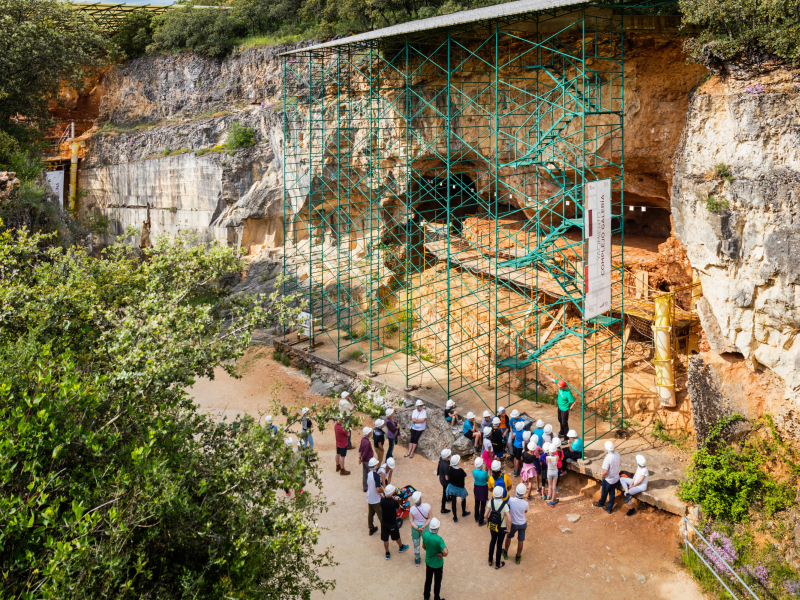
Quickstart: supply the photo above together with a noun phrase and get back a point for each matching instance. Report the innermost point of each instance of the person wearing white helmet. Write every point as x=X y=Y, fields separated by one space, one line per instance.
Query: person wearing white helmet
x=504 y=427
x=418 y=419
x=481 y=489
x=547 y=434
x=517 y=507
x=610 y=476
x=488 y=450
x=497 y=520
x=451 y=414
x=270 y=426
x=512 y=426
x=421 y=515
x=378 y=438
x=392 y=429
x=487 y=420
x=375 y=487
x=530 y=458
x=386 y=470
x=556 y=443
x=435 y=551
x=389 y=526
x=499 y=479
x=538 y=431
x=564 y=401
x=470 y=431
x=342 y=436
x=498 y=439
x=552 y=474
x=364 y=454
x=575 y=450
x=638 y=484
x=517 y=448
x=457 y=487
x=345 y=408
x=305 y=422
x=442 y=469
x=545 y=490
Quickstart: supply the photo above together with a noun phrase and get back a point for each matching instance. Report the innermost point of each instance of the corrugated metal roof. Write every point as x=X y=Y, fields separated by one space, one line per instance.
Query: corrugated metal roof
x=458 y=18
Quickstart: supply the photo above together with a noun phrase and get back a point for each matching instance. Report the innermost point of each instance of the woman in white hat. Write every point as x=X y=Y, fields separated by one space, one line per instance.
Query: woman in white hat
x=631 y=487
x=530 y=476
x=481 y=489
x=421 y=515
x=451 y=414
x=378 y=439
x=488 y=450
x=392 y=429
x=418 y=418
x=547 y=434
x=552 y=473
x=457 y=487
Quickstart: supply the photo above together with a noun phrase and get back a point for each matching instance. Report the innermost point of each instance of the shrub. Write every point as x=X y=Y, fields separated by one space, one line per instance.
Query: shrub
x=723 y=171
x=209 y=31
x=240 y=137
x=714 y=205
x=135 y=33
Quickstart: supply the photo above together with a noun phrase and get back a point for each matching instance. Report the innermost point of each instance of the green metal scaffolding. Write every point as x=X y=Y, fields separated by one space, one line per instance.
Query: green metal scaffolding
x=433 y=203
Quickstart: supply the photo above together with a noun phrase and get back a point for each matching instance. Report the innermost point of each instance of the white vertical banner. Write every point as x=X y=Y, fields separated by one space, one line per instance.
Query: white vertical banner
x=306 y=324
x=55 y=179
x=597 y=258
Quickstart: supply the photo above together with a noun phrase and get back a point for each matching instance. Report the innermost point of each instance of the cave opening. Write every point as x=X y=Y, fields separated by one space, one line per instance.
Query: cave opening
x=434 y=197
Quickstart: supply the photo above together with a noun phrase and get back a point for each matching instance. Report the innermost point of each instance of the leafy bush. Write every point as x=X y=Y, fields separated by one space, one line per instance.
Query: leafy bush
x=731 y=28
x=722 y=171
x=135 y=33
x=240 y=137
x=728 y=480
x=209 y=31
x=714 y=205
x=112 y=484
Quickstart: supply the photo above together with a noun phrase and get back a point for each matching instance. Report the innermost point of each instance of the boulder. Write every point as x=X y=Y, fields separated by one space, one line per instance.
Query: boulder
x=462 y=446
x=437 y=435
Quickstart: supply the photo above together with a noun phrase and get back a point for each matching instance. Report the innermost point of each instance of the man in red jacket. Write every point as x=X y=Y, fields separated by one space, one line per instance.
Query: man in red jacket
x=342 y=437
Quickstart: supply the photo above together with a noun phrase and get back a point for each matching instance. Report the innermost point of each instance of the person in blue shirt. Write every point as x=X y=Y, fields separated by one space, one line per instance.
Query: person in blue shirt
x=539 y=432
x=575 y=452
x=512 y=425
x=469 y=431
x=517 y=449
x=269 y=426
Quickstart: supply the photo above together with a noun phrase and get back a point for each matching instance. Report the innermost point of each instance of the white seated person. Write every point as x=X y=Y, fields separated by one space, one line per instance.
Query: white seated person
x=631 y=487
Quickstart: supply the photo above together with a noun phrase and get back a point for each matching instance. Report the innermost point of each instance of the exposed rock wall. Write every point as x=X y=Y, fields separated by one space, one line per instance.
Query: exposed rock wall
x=740 y=224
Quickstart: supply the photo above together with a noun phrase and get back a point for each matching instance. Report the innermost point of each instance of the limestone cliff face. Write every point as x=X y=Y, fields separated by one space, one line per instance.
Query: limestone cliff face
x=740 y=225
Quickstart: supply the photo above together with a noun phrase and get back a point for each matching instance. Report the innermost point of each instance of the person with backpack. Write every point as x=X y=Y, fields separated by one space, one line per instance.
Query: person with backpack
x=421 y=515
x=480 y=490
x=497 y=521
x=392 y=430
x=442 y=469
x=499 y=479
x=456 y=487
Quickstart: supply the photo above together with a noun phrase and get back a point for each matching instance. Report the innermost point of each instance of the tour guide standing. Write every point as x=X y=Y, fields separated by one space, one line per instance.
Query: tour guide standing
x=374 y=491
x=418 y=418
x=610 y=477
x=364 y=454
x=342 y=439
x=517 y=507
x=565 y=401
x=435 y=551
x=389 y=506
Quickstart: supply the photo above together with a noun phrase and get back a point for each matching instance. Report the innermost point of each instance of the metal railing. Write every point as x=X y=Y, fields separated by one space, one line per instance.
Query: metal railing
x=689 y=546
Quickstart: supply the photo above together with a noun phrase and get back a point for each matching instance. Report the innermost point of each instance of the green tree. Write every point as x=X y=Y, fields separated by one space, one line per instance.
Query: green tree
x=113 y=484
x=209 y=31
x=135 y=33
x=43 y=46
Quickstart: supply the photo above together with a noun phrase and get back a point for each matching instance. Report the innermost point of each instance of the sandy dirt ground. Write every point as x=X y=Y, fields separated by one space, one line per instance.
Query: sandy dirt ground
x=603 y=555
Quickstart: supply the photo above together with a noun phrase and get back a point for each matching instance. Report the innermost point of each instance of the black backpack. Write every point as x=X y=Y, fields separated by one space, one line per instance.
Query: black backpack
x=496 y=516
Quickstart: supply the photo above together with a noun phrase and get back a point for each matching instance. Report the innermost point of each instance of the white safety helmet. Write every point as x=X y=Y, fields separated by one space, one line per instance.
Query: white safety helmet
x=289 y=441
x=450 y=403
x=521 y=489
x=496 y=421
x=539 y=424
x=641 y=460
x=571 y=434
x=609 y=446
x=526 y=435
x=519 y=426
x=379 y=422
x=446 y=453
x=454 y=460
x=418 y=403
x=497 y=492
x=470 y=416
x=496 y=465
x=366 y=430
x=416 y=497
x=535 y=439
x=500 y=410
x=304 y=411
x=487 y=431
x=478 y=462
x=373 y=462
x=548 y=429
x=532 y=445
x=435 y=524
x=345 y=395
x=388 y=490
x=267 y=419
x=514 y=414
x=390 y=462
x=556 y=441
x=389 y=412
x=486 y=414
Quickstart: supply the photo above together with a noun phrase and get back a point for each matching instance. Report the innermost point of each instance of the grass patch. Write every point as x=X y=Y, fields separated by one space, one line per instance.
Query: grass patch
x=212 y=150
x=679 y=440
x=262 y=41
x=281 y=358
x=355 y=355
x=713 y=205
x=723 y=171
x=541 y=397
